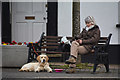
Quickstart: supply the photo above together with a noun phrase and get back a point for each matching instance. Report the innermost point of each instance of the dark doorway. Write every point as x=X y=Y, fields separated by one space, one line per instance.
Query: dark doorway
x=6 y=27
x=52 y=19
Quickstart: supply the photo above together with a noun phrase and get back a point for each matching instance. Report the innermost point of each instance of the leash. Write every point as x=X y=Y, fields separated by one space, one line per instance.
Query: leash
x=34 y=50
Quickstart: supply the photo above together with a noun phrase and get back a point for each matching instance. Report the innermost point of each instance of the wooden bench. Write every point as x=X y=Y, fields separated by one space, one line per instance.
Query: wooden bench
x=50 y=44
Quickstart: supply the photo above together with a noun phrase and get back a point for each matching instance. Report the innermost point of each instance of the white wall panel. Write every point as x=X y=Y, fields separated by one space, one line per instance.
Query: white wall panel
x=119 y=22
x=28 y=20
x=65 y=18
x=21 y=31
x=0 y=19
x=105 y=14
x=37 y=31
x=0 y=43
x=21 y=8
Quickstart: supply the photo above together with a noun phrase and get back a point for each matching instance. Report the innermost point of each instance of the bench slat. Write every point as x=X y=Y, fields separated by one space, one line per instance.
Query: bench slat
x=104 y=38
x=48 y=40
x=50 y=52
x=49 y=47
x=47 y=44
x=58 y=37
x=55 y=37
x=102 y=41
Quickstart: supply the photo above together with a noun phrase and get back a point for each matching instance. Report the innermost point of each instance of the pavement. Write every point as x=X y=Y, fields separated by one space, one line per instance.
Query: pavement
x=80 y=74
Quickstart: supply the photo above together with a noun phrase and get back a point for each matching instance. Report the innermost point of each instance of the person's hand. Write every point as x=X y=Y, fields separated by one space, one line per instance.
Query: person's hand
x=79 y=41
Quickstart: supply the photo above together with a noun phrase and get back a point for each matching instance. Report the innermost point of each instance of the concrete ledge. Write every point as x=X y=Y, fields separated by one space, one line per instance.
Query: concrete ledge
x=0 y=62
x=14 y=55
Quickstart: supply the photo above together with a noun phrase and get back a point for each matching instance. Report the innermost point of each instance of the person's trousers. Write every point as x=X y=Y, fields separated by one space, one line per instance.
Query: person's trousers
x=77 y=49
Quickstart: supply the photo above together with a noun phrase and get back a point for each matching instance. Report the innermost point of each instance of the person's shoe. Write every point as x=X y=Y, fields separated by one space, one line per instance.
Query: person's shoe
x=72 y=65
x=71 y=60
x=70 y=70
x=93 y=72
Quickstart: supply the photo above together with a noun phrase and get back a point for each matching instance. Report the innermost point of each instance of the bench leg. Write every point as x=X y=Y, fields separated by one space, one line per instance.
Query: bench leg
x=94 y=68
x=29 y=56
x=63 y=58
x=107 y=67
x=36 y=57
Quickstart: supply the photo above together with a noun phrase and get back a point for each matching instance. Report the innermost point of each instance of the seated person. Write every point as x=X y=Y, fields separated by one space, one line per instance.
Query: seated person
x=85 y=40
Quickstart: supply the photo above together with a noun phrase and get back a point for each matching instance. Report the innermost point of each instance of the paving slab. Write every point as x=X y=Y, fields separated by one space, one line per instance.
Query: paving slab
x=14 y=74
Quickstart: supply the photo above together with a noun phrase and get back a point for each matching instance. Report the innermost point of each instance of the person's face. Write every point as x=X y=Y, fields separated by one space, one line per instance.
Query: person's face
x=88 y=24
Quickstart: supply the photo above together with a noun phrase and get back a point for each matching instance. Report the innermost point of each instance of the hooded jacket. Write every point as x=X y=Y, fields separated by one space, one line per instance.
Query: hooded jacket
x=90 y=37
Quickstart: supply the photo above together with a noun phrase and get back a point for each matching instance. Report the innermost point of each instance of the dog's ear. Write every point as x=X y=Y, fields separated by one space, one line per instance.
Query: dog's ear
x=38 y=58
x=47 y=58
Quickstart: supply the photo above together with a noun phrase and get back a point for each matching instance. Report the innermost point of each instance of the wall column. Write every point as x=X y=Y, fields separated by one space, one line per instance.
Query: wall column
x=0 y=43
x=0 y=20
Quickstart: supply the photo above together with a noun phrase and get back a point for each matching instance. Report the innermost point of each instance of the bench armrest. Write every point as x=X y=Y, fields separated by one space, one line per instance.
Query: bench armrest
x=100 y=48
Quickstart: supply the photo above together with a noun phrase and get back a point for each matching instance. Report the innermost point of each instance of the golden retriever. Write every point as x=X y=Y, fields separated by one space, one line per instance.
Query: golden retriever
x=41 y=65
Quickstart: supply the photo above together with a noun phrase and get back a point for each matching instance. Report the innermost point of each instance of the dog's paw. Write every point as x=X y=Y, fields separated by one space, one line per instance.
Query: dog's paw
x=20 y=70
x=36 y=71
x=41 y=70
x=50 y=71
x=23 y=70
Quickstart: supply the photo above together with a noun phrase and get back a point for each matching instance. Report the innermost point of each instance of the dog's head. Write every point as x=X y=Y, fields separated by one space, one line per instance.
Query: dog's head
x=42 y=58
